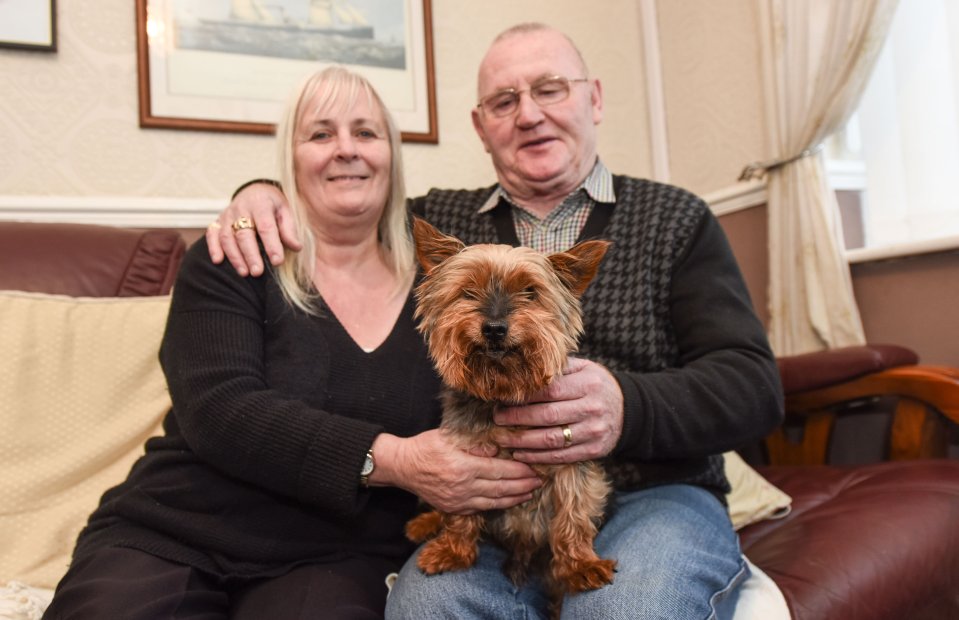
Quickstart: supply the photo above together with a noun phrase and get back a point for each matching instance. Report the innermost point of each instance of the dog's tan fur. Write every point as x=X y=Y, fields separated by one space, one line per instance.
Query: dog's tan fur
x=499 y=322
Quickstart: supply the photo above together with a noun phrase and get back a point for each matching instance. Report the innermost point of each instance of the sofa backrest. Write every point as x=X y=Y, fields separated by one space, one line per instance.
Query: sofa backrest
x=84 y=260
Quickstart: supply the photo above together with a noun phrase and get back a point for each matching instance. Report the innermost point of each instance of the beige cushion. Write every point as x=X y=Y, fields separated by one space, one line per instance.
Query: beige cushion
x=80 y=390
x=753 y=498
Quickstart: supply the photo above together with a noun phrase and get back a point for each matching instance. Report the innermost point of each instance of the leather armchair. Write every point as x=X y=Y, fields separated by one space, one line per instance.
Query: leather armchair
x=866 y=541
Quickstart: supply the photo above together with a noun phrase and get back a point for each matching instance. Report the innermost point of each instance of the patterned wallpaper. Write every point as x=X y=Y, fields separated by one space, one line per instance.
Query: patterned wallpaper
x=69 y=120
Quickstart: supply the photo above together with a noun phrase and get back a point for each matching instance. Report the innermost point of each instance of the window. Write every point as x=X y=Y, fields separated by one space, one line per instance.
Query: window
x=895 y=165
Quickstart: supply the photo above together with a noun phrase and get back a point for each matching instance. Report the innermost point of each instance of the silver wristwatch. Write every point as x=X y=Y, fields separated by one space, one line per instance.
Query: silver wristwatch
x=368 y=466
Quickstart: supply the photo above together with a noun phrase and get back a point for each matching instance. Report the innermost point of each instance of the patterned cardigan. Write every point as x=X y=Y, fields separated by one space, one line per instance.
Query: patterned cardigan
x=670 y=317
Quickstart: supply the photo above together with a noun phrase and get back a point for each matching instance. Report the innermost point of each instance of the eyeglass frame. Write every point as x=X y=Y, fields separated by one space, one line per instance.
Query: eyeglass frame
x=513 y=91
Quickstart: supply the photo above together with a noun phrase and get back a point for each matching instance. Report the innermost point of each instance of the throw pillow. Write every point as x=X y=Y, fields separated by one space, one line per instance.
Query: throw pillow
x=81 y=390
x=753 y=498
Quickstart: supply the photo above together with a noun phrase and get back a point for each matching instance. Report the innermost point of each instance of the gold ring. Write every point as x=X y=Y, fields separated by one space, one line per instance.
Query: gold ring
x=214 y=225
x=243 y=223
x=567 y=436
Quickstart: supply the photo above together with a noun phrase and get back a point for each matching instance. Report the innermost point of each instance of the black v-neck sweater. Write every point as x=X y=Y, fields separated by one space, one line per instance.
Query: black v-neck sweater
x=273 y=411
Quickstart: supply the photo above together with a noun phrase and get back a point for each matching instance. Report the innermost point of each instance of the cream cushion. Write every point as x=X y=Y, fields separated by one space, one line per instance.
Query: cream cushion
x=81 y=390
x=753 y=498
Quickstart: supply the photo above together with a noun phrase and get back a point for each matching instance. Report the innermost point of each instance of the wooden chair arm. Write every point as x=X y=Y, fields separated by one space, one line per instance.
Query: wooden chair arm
x=937 y=386
x=923 y=391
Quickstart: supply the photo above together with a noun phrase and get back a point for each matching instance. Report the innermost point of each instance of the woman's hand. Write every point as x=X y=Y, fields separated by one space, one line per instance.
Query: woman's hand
x=578 y=417
x=448 y=478
x=266 y=206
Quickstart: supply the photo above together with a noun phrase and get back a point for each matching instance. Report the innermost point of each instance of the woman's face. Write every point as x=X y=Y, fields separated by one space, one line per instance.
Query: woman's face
x=342 y=160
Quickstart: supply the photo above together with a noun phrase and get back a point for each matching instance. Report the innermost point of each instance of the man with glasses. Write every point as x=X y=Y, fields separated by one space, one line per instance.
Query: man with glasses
x=673 y=370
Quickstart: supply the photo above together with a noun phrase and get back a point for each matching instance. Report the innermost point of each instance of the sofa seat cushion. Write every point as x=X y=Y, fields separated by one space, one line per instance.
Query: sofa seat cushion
x=867 y=553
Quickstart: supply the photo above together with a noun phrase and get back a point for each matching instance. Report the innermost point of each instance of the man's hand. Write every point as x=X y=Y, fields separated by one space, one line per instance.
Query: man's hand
x=266 y=206
x=449 y=478
x=586 y=399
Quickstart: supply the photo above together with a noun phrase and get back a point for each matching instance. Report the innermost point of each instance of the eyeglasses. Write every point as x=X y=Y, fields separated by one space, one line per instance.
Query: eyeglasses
x=544 y=92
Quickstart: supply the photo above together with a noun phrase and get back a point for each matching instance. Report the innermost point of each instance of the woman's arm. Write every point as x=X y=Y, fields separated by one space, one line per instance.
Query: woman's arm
x=213 y=355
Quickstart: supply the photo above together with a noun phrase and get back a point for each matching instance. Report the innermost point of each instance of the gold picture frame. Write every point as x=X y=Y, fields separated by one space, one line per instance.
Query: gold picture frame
x=229 y=66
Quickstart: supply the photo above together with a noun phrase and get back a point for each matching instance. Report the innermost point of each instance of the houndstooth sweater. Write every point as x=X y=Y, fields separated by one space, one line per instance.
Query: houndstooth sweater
x=669 y=315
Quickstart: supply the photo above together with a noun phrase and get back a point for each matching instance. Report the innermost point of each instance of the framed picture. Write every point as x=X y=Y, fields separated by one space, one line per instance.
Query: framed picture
x=229 y=65
x=29 y=24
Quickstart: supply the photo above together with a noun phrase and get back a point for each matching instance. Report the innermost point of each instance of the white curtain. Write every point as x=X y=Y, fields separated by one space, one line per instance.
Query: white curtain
x=818 y=55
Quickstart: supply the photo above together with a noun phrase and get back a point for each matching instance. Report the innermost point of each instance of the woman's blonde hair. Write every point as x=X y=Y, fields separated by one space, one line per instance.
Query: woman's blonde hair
x=336 y=87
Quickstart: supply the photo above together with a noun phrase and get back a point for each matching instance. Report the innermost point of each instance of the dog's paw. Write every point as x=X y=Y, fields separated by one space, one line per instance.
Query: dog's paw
x=437 y=557
x=583 y=575
x=424 y=526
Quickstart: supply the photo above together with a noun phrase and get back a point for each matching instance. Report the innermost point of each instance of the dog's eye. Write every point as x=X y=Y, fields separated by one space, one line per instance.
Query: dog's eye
x=469 y=294
x=530 y=293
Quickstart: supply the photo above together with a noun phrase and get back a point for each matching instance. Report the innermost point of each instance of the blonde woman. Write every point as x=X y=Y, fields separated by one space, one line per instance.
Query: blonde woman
x=304 y=408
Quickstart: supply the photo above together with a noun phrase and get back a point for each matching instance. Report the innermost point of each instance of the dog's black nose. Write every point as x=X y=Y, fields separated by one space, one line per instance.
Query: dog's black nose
x=495 y=331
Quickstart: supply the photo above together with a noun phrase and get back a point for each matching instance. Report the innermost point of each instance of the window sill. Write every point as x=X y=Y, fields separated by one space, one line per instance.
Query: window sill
x=902 y=250
x=746 y=195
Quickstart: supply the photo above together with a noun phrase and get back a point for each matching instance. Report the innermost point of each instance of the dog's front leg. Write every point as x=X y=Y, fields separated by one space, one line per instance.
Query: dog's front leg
x=424 y=525
x=455 y=547
x=579 y=501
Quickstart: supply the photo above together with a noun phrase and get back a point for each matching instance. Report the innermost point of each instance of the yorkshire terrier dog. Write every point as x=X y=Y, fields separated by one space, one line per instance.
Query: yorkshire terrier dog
x=499 y=322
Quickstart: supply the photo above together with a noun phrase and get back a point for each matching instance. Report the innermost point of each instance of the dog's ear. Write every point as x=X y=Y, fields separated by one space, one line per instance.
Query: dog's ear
x=432 y=246
x=577 y=266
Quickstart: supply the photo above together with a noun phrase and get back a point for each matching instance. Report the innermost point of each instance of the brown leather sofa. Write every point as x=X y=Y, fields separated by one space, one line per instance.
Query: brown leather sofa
x=869 y=541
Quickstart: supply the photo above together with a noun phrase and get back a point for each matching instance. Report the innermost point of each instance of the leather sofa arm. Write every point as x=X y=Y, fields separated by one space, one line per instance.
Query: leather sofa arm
x=936 y=386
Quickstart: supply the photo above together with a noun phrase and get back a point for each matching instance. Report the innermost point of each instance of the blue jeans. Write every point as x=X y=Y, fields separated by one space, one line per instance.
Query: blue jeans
x=677 y=558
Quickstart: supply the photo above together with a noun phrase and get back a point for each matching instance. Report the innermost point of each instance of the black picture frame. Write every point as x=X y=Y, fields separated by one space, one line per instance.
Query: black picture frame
x=29 y=25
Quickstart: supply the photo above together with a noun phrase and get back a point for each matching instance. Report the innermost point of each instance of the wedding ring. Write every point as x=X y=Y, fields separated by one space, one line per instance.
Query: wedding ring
x=567 y=436
x=243 y=223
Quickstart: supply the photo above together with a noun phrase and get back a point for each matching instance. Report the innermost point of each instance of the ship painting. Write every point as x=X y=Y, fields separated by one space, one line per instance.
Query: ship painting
x=334 y=31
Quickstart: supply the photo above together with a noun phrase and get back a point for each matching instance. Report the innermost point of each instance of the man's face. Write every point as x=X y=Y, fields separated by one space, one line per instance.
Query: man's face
x=539 y=151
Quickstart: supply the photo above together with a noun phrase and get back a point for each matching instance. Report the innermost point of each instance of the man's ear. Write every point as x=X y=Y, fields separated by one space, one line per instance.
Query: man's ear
x=432 y=246
x=478 y=126
x=577 y=266
x=597 y=100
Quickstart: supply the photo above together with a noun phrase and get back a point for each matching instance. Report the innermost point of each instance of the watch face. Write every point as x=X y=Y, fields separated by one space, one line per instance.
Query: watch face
x=367 y=466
